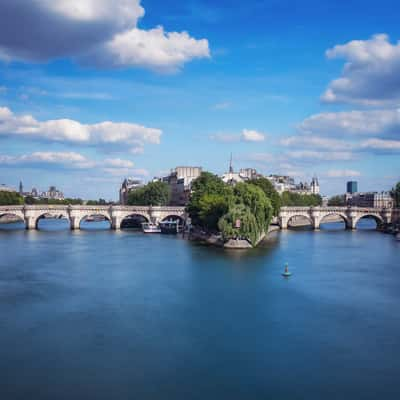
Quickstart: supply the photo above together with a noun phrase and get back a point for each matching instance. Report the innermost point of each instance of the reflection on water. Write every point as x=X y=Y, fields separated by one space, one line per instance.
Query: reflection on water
x=117 y=315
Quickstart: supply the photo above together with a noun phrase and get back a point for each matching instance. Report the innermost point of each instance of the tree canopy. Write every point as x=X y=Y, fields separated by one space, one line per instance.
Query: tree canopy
x=396 y=194
x=268 y=188
x=152 y=194
x=209 y=201
x=338 y=201
x=215 y=206
x=291 y=199
x=249 y=215
x=10 y=199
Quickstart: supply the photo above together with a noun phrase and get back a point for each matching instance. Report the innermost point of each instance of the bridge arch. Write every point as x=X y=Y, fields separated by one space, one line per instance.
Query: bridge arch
x=174 y=217
x=291 y=222
x=96 y=218
x=134 y=220
x=377 y=218
x=331 y=216
x=9 y=219
x=53 y=215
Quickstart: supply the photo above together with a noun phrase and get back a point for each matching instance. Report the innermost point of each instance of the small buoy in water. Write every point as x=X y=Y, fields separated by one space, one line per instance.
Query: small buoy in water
x=286 y=274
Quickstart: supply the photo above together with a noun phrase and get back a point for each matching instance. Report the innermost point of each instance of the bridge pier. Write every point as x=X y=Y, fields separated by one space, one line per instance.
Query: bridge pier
x=116 y=223
x=75 y=223
x=30 y=223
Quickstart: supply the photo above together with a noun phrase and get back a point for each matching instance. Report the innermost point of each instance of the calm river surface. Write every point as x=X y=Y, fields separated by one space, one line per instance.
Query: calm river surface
x=120 y=315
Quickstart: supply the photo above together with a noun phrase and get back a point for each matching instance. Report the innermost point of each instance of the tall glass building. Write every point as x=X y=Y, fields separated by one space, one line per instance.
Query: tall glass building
x=352 y=187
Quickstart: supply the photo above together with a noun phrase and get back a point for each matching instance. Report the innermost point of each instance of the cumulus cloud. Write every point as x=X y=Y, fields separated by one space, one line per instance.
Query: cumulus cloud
x=101 y=32
x=252 y=136
x=64 y=159
x=246 y=135
x=375 y=144
x=370 y=75
x=385 y=122
x=314 y=142
x=68 y=160
x=312 y=156
x=67 y=130
x=342 y=173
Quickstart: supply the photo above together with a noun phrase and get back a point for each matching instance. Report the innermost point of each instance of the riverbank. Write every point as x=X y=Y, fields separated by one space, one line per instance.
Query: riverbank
x=214 y=239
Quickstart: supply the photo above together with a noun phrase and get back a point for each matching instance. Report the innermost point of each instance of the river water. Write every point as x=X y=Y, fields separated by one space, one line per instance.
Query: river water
x=120 y=315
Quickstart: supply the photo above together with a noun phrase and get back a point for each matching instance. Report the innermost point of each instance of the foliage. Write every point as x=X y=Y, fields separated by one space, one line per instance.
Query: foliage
x=210 y=195
x=248 y=229
x=291 y=199
x=254 y=210
x=100 y=202
x=10 y=199
x=211 y=208
x=268 y=188
x=396 y=194
x=215 y=206
x=154 y=193
x=32 y=201
x=338 y=201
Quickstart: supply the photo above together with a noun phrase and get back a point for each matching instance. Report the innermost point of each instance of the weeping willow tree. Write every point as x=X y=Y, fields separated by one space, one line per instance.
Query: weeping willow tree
x=252 y=208
x=248 y=228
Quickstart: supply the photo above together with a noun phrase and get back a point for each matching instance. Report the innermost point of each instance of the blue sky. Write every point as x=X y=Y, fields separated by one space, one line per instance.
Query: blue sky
x=95 y=91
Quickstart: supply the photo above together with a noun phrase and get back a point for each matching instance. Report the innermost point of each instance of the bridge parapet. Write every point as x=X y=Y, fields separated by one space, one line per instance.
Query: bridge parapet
x=76 y=213
x=350 y=215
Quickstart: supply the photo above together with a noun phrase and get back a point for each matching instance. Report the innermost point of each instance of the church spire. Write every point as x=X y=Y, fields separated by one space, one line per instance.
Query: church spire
x=230 y=165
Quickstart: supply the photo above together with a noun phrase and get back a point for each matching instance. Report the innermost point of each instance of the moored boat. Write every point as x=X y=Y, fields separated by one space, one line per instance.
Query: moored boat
x=148 y=227
x=170 y=227
x=398 y=237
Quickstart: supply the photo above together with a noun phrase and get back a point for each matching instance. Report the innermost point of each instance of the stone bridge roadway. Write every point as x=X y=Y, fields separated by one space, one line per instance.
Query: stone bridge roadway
x=76 y=214
x=350 y=215
x=115 y=214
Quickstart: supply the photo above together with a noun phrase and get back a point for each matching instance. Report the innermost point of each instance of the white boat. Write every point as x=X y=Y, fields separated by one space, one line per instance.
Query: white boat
x=148 y=227
x=398 y=237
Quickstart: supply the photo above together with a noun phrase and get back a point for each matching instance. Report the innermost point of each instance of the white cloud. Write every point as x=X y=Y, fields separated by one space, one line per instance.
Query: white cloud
x=118 y=163
x=342 y=173
x=312 y=156
x=64 y=159
x=245 y=136
x=67 y=130
x=93 y=32
x=315 y=142
x=370 y=75
x=154 y=49
x=252 y=136
x=381 y=144
x=70 y=160
x=384 y=122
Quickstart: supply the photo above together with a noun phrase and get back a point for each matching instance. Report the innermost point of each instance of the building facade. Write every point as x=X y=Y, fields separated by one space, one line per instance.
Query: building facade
x=371 y=200
x=127 y=185
x=180 y=183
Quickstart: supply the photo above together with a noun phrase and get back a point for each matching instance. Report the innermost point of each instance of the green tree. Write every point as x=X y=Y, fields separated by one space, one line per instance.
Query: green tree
x=252 y=208
x=338 y=201
x=291 y=199
x=247 y=229
x=154 y=193
x=270 y=192
x=10 y=199
x=209 y=194
x=396 y=194
x=211 y=208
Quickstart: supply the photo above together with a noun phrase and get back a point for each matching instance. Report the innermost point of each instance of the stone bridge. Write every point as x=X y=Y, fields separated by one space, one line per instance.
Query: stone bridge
x=76 y=214
x=350 y=215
